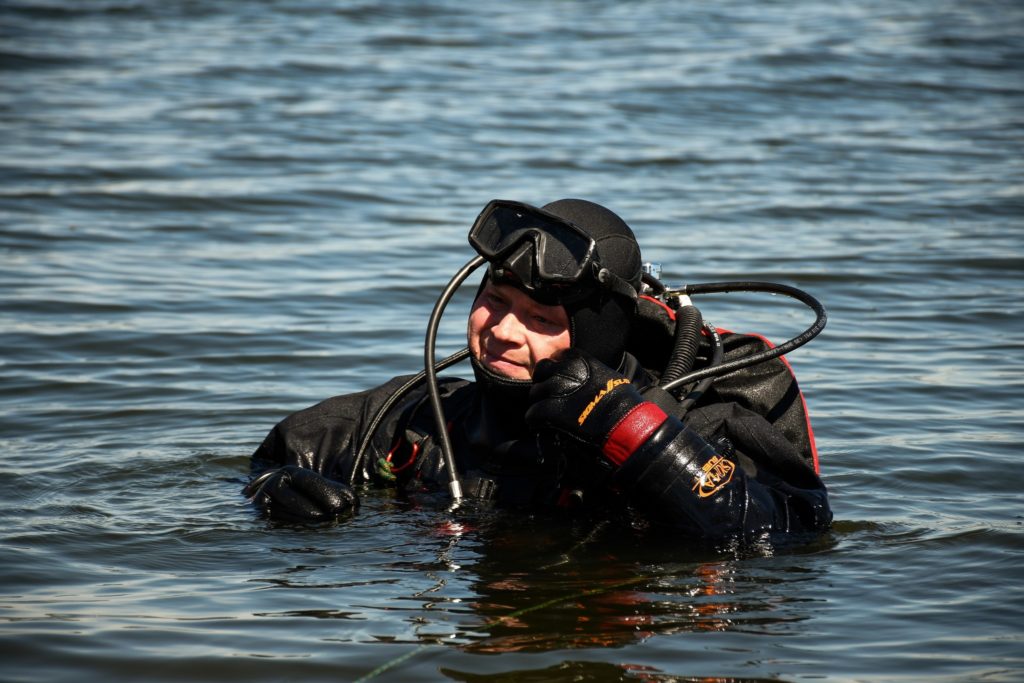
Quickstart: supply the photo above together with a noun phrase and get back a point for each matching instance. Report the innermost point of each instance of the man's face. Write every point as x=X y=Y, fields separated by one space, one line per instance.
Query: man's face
x=509 y=333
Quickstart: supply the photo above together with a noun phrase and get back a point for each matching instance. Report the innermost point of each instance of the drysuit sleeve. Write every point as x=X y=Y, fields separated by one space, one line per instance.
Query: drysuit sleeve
x=324 y=437
x=727 y=472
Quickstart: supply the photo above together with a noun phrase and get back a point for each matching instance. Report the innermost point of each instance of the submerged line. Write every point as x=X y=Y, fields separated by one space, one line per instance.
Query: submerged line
x=511 y=615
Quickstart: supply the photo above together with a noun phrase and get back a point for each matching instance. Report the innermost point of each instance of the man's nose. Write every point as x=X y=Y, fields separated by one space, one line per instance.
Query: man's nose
x=509 y=328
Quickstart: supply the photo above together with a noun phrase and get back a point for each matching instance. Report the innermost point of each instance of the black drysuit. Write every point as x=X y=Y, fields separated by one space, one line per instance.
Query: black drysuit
x=741 y=462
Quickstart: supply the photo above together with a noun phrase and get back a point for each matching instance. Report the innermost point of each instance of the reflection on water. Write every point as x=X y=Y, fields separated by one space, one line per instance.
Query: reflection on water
x=499 y=584
x=592 y=671
x=610 y=591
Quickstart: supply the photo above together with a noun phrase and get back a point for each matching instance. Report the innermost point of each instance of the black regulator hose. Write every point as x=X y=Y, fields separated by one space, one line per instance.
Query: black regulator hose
x=454 y=485
x=685 y=343
x=717 y=354
x=722 y=287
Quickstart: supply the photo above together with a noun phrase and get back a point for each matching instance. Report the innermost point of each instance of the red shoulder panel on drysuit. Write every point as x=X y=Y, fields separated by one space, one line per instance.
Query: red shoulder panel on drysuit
x=662 y=304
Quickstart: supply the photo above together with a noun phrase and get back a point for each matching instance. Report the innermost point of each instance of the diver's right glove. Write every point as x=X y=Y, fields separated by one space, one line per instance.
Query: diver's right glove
x=293 y=492
x=580 y=396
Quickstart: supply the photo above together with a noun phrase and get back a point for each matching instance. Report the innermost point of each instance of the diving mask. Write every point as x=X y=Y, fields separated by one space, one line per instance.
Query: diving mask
x=552 y=259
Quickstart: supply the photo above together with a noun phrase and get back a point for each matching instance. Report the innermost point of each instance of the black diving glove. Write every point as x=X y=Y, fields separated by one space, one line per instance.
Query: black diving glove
x=582 y=397
x=292 y=492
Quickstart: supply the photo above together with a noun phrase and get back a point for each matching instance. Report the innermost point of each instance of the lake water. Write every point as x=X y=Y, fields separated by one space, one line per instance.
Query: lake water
x=214 y=214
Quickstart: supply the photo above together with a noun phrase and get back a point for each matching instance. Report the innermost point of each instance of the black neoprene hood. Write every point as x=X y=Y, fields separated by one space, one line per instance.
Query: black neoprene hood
x=599 y=324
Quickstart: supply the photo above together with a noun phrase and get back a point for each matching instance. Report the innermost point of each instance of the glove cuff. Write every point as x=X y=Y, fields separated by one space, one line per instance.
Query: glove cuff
x=632 y=431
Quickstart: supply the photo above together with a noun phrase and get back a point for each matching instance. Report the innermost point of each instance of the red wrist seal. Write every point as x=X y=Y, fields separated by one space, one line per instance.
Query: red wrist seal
x=632 y=431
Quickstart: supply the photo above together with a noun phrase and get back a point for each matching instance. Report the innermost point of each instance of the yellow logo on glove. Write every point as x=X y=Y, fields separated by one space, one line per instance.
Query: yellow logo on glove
x=612 y=383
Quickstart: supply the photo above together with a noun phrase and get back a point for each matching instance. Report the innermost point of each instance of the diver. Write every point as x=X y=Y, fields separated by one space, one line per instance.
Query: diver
x=597 y=391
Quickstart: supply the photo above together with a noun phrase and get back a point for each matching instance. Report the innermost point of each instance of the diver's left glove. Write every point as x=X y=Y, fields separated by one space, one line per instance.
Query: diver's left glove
x=584 y=398
x=292 y=492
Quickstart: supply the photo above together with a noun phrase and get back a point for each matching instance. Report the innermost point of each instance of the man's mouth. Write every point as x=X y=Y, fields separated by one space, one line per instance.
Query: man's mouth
x=504 y=365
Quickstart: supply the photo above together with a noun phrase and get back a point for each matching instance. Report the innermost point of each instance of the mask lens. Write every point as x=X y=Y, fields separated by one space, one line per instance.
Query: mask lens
x=561 y=250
